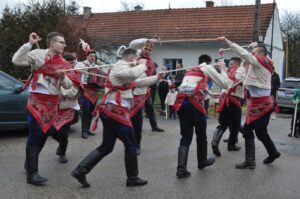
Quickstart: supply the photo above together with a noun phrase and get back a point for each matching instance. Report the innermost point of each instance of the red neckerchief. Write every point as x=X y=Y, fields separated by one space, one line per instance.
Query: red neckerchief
x=151 y=69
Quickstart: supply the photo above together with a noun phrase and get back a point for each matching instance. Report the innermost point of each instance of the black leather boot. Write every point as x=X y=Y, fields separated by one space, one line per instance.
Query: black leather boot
x=132 y=171
x=153 y=123
x=203 y=161
x=32 y=157
x=233 y=134
x=218 y=133
x=183 y=153
x=249 y=162
x=85 y=166
x=61 y=150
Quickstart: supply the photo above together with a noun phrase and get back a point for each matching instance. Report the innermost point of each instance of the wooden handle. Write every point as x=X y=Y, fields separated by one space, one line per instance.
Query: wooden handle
x=188 y=40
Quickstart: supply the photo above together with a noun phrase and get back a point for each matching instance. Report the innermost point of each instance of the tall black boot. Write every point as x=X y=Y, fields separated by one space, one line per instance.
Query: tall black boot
x=61 y=150
x=32 y=157
x=233 y=134
x=183 y=153
x=271 y=149
x=153 y=123
x=203 y=161
x=132 y=171
x=84 y=126
x=85 y=166
x=218 y=133
x=249 y=162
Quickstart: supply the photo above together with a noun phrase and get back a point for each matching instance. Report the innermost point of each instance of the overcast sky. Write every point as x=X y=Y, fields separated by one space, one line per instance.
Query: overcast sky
x=115 y=5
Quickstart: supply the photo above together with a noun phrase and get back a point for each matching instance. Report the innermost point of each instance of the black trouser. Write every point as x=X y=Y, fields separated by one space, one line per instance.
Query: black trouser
x=231 y=117
x=162 y=92
x=190 y=118
x=150 y=112
x=86 y=117
x=261 y=132
x=61 y=137
x=137 y=123
x=297 y=124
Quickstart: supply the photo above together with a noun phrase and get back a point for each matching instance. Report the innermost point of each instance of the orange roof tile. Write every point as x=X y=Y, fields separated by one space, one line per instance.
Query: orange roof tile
x=119 y=28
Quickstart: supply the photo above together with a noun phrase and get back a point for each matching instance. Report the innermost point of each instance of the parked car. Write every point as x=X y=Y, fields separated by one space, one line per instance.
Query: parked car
x=13 y=112
x=286 y=91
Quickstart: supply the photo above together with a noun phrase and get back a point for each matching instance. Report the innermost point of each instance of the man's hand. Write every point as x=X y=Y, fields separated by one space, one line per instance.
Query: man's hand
x=224 y=39
x=154 y=41
x=253 y=45
x=34 y=38
x=221 y=51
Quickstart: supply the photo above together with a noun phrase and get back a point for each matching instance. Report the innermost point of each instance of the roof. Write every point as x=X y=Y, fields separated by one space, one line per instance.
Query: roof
x=119 y=28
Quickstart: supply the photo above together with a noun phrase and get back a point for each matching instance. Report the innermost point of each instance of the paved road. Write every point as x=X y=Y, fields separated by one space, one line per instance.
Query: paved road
x=157 y=163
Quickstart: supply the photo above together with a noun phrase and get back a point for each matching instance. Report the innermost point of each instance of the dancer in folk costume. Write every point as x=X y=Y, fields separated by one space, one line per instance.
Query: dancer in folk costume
x=67 y=110
x=192 y=114
x=261 y=105
x=89 y=96
x=229 y=108
x=142 y=96
x=45 y=88
x=115 y=115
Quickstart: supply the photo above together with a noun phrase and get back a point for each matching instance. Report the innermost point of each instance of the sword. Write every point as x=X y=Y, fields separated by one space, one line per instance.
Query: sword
x=295 y=118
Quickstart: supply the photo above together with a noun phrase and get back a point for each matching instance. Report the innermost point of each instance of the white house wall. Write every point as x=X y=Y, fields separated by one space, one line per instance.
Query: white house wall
x=278 y=52
x=188 y=53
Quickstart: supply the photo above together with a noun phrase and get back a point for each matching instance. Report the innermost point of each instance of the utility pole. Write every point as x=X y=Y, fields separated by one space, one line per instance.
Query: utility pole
x=272 y=35
x=256 y=30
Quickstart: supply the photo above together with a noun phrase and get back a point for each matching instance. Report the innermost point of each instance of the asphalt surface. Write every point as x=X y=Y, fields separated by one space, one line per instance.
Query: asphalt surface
x=157 y=163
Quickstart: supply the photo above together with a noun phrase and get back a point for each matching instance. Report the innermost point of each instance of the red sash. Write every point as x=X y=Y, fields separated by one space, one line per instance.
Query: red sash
x=91 y=93
x=139 y=102
x=258 y=107
x=43 y=108
x=196 y=98
x=226 y=100
x=63 y=117
x=112 y=87
x=118 y=113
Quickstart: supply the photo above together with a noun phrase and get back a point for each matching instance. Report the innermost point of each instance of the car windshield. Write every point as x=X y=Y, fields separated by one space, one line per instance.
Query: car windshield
x=290 y=84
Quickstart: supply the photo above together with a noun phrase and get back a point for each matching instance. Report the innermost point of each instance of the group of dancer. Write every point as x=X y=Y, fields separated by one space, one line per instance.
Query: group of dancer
x=56 y=82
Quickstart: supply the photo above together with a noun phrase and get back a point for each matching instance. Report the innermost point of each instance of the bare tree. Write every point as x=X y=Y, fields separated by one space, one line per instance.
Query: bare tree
x=225 y=3
x=129 y=6
x=290 y=26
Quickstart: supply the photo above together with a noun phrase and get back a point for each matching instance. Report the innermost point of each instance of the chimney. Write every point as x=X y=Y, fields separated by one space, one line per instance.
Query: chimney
x=138 y=8
x=87 y=12
x=209 y=4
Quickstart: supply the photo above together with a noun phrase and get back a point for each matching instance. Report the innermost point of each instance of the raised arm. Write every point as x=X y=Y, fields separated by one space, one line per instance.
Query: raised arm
x=23 y=57
x=221 y=79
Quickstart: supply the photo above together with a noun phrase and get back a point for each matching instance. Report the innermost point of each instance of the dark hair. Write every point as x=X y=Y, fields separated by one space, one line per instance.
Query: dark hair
x=262 y=48
x=128 y=51
x=69 y=56
x=236 y=59
x=51 y=37
x=204 y=58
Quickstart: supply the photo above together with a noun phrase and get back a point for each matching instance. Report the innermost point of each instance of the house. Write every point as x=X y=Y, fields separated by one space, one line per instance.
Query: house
x=235 y=22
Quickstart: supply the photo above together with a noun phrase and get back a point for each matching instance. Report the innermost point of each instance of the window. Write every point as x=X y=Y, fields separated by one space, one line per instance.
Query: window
x=6 y=83
x=171 y=63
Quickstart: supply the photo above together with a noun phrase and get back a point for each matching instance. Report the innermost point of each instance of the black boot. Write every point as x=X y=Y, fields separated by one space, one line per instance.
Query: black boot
x=203 y=161
x=183 y=153
x=85 y=166
x=61 y=151
x=233 y=134
x=138 y=150
x=153 y=123
x=132 y=171
x=32 y=157
x=218 y=133
x=249 y=162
